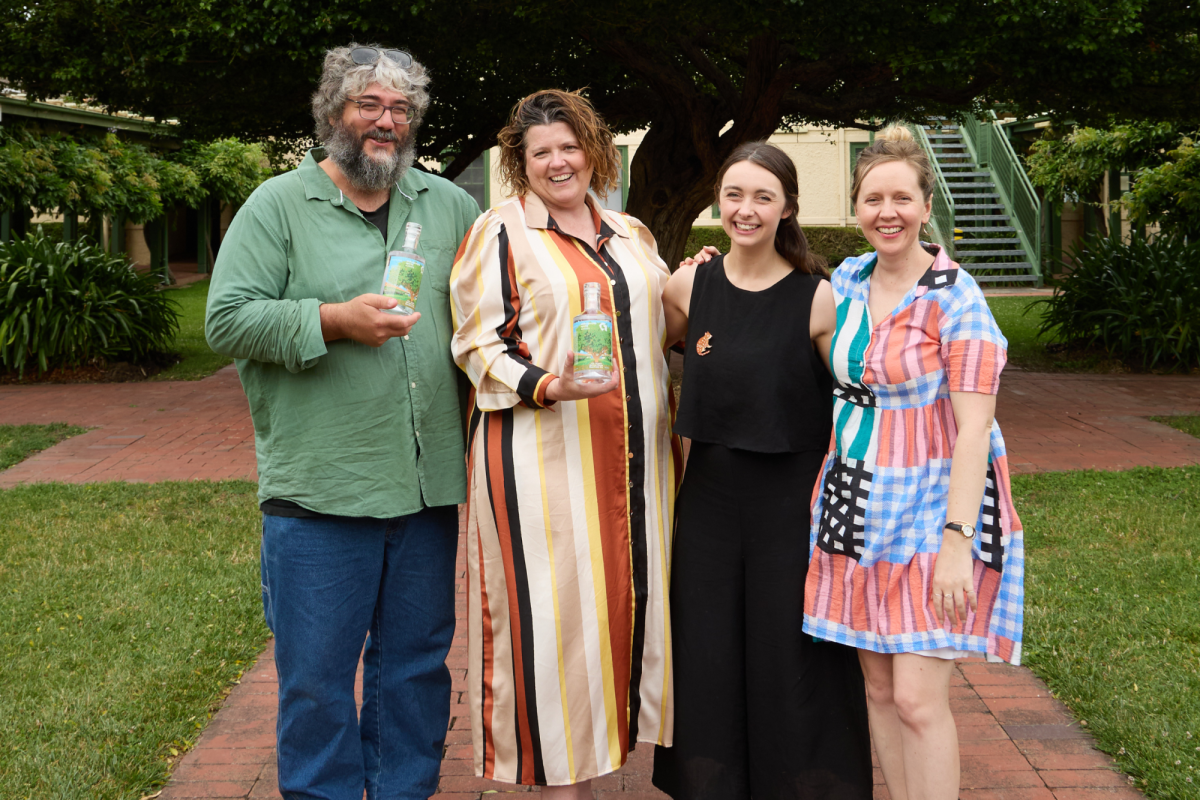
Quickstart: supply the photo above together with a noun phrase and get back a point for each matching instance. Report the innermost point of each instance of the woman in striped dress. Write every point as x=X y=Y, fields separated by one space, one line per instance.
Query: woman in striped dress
x=917 y=551
x=571 y=484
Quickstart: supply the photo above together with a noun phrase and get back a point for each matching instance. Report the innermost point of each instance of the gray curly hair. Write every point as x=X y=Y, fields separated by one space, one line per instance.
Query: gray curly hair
x=341 y=78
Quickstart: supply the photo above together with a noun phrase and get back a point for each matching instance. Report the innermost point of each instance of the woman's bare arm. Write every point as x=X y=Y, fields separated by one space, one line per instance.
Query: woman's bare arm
x=822 y=320
x=677 y=298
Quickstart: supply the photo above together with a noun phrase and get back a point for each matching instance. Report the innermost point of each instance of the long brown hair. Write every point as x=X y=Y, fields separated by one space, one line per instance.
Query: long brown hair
x=545 y=108
x=790 y=241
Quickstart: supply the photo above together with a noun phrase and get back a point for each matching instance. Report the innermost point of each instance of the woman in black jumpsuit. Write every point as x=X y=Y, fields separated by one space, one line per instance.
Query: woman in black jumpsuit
x=761 y=710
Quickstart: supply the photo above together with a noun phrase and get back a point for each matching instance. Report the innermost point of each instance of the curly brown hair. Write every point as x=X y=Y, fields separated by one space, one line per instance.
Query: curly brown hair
x=545 y=108
x=342 y=77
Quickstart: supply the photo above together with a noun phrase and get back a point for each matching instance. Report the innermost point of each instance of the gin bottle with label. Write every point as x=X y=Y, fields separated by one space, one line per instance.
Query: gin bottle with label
x=402 y=277
x=592 y=339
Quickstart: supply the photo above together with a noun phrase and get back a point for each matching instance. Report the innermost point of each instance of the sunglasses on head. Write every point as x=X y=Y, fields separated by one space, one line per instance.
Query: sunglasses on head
x=369 y=55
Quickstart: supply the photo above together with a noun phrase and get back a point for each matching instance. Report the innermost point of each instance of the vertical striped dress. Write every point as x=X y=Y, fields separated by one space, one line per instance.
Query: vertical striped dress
x=570 y=504
x=880 y=502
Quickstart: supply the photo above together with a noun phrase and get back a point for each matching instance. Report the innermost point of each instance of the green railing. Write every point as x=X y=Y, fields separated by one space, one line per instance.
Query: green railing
x=992 y=151
x=942 y=218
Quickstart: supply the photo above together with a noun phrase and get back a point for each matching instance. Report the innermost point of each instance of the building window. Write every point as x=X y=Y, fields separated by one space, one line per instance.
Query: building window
x=476 y=179
x=855 y=149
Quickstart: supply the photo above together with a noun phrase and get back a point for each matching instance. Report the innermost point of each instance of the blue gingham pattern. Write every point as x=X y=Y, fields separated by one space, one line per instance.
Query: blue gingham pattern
x=917 y=393
x=906 y=508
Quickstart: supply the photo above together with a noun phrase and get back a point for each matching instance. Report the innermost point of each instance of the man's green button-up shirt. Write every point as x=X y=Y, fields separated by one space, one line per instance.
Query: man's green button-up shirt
x=340 y=427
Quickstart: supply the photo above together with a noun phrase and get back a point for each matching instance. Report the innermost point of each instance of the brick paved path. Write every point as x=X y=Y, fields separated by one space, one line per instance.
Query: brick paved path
x=1018 y=743
x=155 y=431
x=201 y=430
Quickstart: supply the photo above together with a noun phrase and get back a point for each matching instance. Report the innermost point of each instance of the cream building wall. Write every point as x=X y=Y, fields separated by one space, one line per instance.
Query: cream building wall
x=822 y=157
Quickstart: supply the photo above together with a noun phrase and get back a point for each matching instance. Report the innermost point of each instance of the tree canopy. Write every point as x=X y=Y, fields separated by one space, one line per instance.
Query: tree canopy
x=1162 y=160
x=104 y=175
x=682 y=70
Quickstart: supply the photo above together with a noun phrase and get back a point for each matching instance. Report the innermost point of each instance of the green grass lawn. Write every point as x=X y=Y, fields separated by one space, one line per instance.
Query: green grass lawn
x=127 y=611
x=1112 y=612
x=1189 y=425
x=19 y=442
x=1018 y=318
x=198 y=360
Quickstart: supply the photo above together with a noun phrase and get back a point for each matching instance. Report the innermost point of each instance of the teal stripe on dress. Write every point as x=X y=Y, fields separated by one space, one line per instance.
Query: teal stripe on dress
x=858 y=345
x=842 y=415
x=862 y=441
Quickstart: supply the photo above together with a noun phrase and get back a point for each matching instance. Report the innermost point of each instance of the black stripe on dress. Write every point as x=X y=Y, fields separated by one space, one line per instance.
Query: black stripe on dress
x=527 y=386
x=524 y=608
x=639 y=567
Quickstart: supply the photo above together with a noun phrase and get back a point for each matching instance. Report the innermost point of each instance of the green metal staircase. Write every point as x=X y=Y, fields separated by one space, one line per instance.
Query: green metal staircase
x=995 y=211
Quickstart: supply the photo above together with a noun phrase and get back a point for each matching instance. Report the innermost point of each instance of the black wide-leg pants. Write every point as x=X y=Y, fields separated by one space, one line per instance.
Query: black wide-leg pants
x=761 y=710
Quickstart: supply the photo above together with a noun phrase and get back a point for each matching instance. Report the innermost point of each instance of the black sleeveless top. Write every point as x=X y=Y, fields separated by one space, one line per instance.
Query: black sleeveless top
x=751 y=377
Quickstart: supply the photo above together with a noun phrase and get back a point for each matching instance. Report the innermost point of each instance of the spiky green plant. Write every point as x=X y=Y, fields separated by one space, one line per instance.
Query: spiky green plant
x=66 y=304
x=1139 y=301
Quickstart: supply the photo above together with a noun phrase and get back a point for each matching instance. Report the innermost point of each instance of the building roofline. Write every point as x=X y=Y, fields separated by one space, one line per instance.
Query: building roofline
x=17 y=106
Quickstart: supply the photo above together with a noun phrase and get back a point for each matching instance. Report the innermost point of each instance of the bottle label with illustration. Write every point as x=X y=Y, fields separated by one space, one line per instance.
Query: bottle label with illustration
x=402 y=280
x=592 y=343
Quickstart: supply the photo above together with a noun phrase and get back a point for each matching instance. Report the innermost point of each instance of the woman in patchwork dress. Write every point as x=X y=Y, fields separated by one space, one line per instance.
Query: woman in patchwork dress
x=917 y=553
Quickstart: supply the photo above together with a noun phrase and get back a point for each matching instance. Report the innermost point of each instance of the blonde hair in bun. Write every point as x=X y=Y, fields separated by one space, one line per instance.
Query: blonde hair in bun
x=894 y=143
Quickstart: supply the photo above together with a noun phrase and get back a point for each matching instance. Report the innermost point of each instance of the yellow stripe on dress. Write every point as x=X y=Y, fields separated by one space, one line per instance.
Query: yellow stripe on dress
x=592 y=515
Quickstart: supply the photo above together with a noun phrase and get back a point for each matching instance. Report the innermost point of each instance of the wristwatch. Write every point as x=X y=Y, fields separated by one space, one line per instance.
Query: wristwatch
x=965 y=528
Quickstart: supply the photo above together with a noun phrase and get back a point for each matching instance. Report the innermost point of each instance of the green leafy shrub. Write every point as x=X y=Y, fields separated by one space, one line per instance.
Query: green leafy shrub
x=69 y=304
x=1139 y=301
x=832 y=243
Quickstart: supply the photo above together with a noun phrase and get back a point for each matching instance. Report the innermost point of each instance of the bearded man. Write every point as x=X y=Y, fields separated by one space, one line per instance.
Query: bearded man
x=358 y=432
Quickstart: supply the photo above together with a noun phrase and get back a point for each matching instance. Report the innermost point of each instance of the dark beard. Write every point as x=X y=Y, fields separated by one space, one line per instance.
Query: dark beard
x=345 y=148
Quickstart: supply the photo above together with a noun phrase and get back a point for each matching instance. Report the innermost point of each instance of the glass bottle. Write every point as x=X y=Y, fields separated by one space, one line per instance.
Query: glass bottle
x=402 y=277
x=591 y=339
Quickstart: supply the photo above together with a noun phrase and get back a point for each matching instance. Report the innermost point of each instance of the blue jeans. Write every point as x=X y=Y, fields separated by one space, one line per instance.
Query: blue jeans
x=327 y=584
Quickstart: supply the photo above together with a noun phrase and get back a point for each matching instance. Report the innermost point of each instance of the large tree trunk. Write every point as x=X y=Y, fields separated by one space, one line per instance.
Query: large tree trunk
x=668 y=187
x=674 y=171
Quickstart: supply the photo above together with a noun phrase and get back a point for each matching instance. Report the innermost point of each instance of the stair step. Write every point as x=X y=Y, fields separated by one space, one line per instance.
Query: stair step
x=976 y=206
x=967 y=186
x=958 y=248
x=976 y=217
x=1010 y=240
x=986 y=229
x=980 y=195
x=1004 y=278
x=1006 y=266
x=973 y=172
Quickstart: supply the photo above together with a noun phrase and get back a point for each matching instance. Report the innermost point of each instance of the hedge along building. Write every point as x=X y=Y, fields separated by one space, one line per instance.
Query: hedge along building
x=187 y=234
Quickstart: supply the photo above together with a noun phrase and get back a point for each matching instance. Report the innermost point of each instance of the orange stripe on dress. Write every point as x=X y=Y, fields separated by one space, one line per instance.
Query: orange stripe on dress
x=488 y=659
x=987 y=589
x=907 y=346
x=973 y=365
x=488 y=646
x=500 y=509
x=610 y=469
x=860 y=617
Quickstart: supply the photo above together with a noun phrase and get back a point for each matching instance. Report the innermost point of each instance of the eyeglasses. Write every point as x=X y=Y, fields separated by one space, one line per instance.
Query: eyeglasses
x=369 y=109
x=369 y=55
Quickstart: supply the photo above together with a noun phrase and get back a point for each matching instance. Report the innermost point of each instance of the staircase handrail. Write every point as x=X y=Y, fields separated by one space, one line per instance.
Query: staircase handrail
x=942 y=218
x=991 y=150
